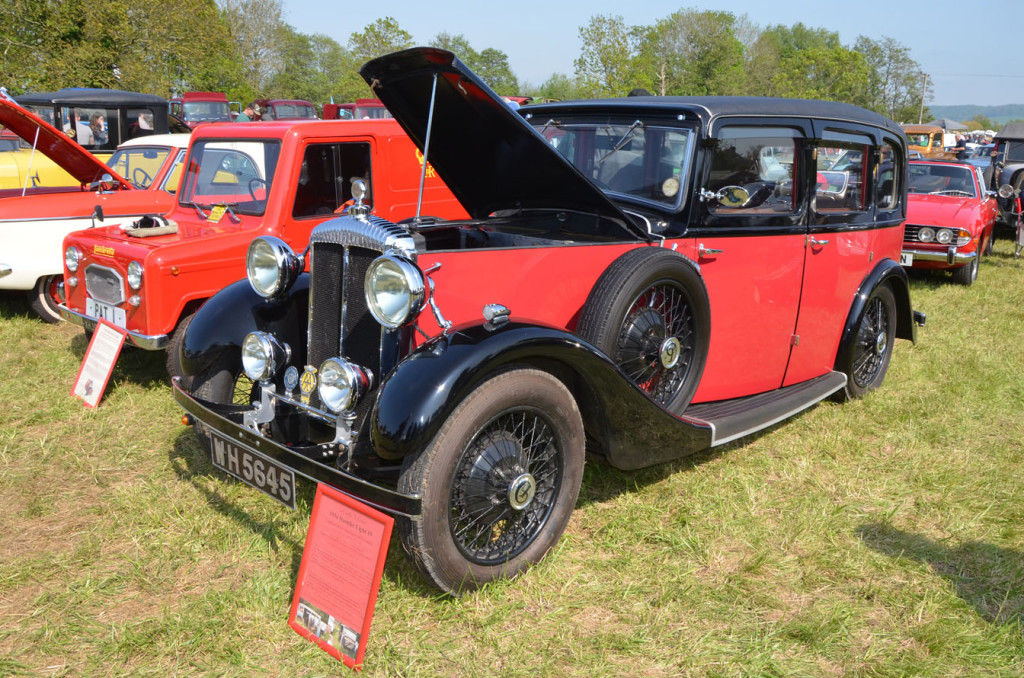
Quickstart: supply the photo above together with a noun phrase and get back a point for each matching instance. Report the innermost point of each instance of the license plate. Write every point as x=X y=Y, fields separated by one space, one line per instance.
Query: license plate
x=254 y=469
x=112 y=314
x=906 y=259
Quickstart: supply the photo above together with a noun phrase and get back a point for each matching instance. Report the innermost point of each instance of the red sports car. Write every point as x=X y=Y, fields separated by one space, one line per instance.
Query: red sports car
x=950 y=218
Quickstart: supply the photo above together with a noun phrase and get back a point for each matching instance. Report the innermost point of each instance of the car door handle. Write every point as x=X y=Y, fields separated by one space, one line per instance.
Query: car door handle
x=706 y=251
x=813 y=242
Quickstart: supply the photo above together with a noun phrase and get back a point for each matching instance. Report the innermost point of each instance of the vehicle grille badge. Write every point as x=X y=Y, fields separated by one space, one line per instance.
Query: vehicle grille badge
x=308 y=383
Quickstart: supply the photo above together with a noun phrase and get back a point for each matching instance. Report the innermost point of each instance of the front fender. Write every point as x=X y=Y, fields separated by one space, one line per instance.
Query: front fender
x=890 y=273
x=621 y=421
x=216 y=332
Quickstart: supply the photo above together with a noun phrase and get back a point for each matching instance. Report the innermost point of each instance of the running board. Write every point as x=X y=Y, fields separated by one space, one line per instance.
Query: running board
x=732 y=419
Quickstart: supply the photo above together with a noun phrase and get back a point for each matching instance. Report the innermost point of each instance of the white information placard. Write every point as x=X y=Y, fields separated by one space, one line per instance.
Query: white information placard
x=98 y=363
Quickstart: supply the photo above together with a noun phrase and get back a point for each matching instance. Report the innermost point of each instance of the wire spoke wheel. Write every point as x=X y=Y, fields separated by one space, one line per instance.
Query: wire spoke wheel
x=504 y=486
x=498 y=481
x=657 y=341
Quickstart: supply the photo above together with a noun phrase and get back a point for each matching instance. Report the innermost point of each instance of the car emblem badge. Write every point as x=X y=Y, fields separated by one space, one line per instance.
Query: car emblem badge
x=291 y=377
x=307 y=383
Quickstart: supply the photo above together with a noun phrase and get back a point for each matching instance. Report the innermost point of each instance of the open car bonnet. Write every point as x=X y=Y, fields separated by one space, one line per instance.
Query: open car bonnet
x=54 y=144
x=487 y=154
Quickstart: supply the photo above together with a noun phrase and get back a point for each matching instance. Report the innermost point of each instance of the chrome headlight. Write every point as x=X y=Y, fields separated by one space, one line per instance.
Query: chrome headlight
x=944 y=236
x=261 y=355
x=1006 y=191
x=394 y=290
x=342 y=384
x=271 y=266
x=926 y=234
x=135 y=275
x=71 y=258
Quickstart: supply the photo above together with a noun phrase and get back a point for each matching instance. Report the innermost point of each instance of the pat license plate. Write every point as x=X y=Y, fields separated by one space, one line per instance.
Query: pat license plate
x=112 y=314
x=906 y=259
x=254 y=469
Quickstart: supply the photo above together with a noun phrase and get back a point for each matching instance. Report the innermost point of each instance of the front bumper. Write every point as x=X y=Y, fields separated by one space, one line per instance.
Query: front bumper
x=223 y=418
x=148 y=342
x=949 y=256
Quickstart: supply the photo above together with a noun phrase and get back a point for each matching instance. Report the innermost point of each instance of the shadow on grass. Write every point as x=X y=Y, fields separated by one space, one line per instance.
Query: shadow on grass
x=989 y=578
x=14 y=304
x=190 y=462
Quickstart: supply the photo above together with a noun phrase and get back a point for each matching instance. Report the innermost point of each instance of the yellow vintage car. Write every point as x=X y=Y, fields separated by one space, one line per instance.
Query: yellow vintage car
x=100 y=120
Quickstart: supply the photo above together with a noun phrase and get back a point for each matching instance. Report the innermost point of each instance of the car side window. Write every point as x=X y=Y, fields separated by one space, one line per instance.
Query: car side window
x=761 y=161
x=841 y=180
x=326 y=176
x=887 y=179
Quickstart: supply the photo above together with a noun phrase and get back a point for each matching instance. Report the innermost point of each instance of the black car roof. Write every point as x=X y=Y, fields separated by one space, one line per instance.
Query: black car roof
x=83 y=96
x=709 y=108
x=1012 y=130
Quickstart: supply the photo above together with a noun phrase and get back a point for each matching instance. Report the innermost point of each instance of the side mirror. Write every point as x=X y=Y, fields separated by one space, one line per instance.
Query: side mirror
x=105 y=183
x=732 y=196
x=97 y=214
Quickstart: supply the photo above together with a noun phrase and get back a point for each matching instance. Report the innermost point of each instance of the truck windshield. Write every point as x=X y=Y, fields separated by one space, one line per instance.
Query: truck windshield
x=237 y=173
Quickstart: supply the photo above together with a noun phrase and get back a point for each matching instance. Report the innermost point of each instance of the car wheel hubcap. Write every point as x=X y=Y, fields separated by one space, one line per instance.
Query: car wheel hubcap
x=522 y=491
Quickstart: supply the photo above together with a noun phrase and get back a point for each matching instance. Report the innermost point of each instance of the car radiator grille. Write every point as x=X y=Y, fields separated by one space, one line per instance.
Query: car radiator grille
x=104 y=284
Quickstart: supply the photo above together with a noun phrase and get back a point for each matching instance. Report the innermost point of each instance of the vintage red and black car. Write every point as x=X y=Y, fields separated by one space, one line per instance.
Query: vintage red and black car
x=277 y=179
x=641 y=277
x=951 y=218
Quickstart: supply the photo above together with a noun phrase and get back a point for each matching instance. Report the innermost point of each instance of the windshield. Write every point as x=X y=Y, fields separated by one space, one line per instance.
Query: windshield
x=206 y=111
x=238 y=174
x=942 y=180
x=372 y=112
x=628 y=159
x=918 y=138
x=139 y=164
x=283 y=111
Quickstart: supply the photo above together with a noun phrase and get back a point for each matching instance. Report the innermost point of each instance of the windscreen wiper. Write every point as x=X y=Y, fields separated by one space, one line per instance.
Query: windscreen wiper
x=622 y=142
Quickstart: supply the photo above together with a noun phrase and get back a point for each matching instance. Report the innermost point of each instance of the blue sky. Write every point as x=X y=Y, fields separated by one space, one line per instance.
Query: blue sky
x=974 y=57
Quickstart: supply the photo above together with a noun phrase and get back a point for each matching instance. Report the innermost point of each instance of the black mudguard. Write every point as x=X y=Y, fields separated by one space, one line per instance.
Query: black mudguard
x=622 y=422
x=887 y=272
x=216 y=332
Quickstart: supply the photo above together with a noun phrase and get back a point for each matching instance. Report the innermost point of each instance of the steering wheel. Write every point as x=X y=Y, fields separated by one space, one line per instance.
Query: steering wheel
x=146 y=180
x=259 y=183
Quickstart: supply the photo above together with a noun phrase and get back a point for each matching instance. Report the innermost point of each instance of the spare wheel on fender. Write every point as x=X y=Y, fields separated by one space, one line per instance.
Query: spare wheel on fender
x=649 y=312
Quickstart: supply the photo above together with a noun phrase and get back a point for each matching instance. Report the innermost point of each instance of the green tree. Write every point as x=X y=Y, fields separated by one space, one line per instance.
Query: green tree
x=381 y=37
x=605 y=66
x=256 y=27
x=693 y=53
x=559 y=86
x=895 y=80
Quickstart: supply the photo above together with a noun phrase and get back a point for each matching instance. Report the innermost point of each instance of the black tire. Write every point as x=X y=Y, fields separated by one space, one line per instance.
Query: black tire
x=173 y=359
x=868 y=358
x=225 y=385
x=649 y=312
x=968 y=273
x=44 y=298
x=516 y=439
x=990 y=243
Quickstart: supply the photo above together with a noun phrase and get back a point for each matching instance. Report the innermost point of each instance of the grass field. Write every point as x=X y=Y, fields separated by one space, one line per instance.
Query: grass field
x=882 y=537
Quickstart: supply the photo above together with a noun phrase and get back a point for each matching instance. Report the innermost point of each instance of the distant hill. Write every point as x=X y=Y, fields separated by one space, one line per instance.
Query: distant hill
x=997 y=114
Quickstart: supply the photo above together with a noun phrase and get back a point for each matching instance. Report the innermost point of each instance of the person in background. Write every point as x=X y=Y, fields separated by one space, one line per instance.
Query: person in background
x=248 y=113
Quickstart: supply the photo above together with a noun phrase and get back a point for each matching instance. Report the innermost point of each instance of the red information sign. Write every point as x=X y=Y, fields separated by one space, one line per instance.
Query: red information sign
x=342 y=565
x=98 y=363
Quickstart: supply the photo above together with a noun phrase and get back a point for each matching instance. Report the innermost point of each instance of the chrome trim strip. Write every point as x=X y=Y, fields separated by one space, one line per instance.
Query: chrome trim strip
x=147 y=342
x=949 y=256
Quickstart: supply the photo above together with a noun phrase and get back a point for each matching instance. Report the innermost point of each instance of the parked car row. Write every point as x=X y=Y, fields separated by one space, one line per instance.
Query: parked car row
x=442 y=327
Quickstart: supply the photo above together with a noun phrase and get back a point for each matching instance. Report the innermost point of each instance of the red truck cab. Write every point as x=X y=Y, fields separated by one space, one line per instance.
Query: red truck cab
x=194 y=108
x=240 y=181
x=362 y=108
